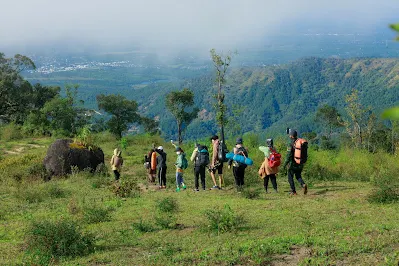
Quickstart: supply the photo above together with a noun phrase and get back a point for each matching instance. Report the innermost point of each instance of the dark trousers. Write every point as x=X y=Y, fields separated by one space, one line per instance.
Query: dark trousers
x=117 y=174
x=239 y=173
x=272 y=178
x=199 y=171
x=298 y=175
x=162 y=176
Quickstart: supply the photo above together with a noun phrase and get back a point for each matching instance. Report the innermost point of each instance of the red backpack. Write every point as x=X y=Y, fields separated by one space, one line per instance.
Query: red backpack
x=274 y=158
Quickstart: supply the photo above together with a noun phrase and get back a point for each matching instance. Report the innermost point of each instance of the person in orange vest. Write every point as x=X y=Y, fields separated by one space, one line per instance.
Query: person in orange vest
x=295 y=160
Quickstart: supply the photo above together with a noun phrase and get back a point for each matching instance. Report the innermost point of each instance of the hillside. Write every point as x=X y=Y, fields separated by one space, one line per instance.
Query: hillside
x=274 y=97
x=334 y=224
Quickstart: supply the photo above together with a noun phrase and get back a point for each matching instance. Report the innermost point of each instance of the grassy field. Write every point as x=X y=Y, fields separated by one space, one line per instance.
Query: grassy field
x=334 y=224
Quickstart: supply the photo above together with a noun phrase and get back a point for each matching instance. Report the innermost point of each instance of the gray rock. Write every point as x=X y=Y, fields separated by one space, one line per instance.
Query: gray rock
x=61 y=157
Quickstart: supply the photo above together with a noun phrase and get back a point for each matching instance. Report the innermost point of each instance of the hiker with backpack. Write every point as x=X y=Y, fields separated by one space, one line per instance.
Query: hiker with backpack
x=161 y=166
x=269 y=167
x=116 y=163
x=151 y=164
x=200 y=158
x=181 y=164
x=239 y=168
x=216 y=165
x=297 y=154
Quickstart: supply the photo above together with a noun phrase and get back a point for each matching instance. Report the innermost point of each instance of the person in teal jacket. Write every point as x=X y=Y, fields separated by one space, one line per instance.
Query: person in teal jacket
x=181 y=164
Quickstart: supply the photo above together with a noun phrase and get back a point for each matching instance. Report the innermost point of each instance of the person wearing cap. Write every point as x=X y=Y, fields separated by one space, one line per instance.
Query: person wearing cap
x=179 y=167
x=294 y=169
x=216 y=165
x=265 y=171
x=161 y=167
x=239 y=168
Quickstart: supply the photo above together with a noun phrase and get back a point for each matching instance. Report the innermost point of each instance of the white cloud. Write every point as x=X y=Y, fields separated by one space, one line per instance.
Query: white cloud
x=177 y=23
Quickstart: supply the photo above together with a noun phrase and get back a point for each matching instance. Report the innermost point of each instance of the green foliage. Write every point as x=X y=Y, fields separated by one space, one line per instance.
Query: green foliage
x=123 y=143
x=167 y=205
x=177 y=102
x=165 y=220
x=10 y=132
x=30 y=194
x=329 y=117
x=143 y=227
x=252 y=193
x=392 y=113
x=122 y=110
x=37 y=171
x=223 y=220
x=395 y=27
x=126 y=189
x=386 y=189
x=47 y=240
x=96 y=214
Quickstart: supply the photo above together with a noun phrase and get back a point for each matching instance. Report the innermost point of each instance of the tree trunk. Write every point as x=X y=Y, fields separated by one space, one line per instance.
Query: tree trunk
x=179 y=130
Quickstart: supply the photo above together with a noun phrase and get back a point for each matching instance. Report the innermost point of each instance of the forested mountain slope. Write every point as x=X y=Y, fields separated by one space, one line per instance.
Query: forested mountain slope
x=274 y=97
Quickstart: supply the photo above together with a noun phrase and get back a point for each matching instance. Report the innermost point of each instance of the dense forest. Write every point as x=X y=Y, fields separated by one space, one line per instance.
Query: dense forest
x=272 y=98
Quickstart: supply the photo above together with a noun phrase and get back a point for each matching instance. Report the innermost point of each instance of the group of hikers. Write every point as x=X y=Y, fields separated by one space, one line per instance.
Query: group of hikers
x=155 y=163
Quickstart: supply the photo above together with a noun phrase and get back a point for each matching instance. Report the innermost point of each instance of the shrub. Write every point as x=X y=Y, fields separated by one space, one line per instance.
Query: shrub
x=30 y=195
x=73 y=207
x=143 y=227
x=47 y=240
x=54 y=191
x=97 y=214
x=37 y=171
x=223 y=220
x=11 y=132
x=251 y=193
x=165 y=220
x=126 y=188
x=167 y=205
x=386 y=191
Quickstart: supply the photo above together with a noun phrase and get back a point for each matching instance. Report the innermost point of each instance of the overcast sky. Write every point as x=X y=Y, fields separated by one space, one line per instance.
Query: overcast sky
x=179 y=23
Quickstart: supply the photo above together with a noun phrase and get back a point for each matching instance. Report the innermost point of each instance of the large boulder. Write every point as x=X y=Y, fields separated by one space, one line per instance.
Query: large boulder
x=64 y=153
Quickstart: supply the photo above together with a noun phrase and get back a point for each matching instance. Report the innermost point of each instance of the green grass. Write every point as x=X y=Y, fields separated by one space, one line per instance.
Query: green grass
x=334 y=224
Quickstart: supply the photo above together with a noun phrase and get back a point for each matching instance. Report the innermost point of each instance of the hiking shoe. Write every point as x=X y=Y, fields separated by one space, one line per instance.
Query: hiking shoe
x=293 y=194
x=305 y=189
x=196 y=190
x=215 y=187
x=163 y=186
x=184 y=186
x=177 y=189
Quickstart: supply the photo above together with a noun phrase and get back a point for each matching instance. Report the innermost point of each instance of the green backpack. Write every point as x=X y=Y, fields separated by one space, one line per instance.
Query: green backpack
x=184 y=162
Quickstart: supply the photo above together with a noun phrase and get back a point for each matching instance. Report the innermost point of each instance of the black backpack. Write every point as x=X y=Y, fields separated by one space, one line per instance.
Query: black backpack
x=202 y=156
x=222 y=151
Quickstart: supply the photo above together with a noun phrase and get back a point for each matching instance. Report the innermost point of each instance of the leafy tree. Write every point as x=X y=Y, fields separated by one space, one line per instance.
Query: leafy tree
x=59 y=114
x=177 y=102
x=329 y=117
x=221 y=63
x=123 y=111
x=15 y=92
x=150 y=125
x=395 y=27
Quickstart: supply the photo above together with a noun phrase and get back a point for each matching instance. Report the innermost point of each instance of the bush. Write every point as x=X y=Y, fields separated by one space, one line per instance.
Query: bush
x=126 y=189
x=54 y=191
x=97 y=214
x=11 y=132
x=37 y=171
x=386 y=191
x=73 y=206
x=48 y=240
x=224 y=220
x=143 y=227
x=167 y=205
x=251 y=193
x=30 y=195
x=165 y=220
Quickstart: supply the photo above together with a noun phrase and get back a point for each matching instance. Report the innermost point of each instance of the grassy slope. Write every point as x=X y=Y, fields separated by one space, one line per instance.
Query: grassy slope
x=334 y=224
